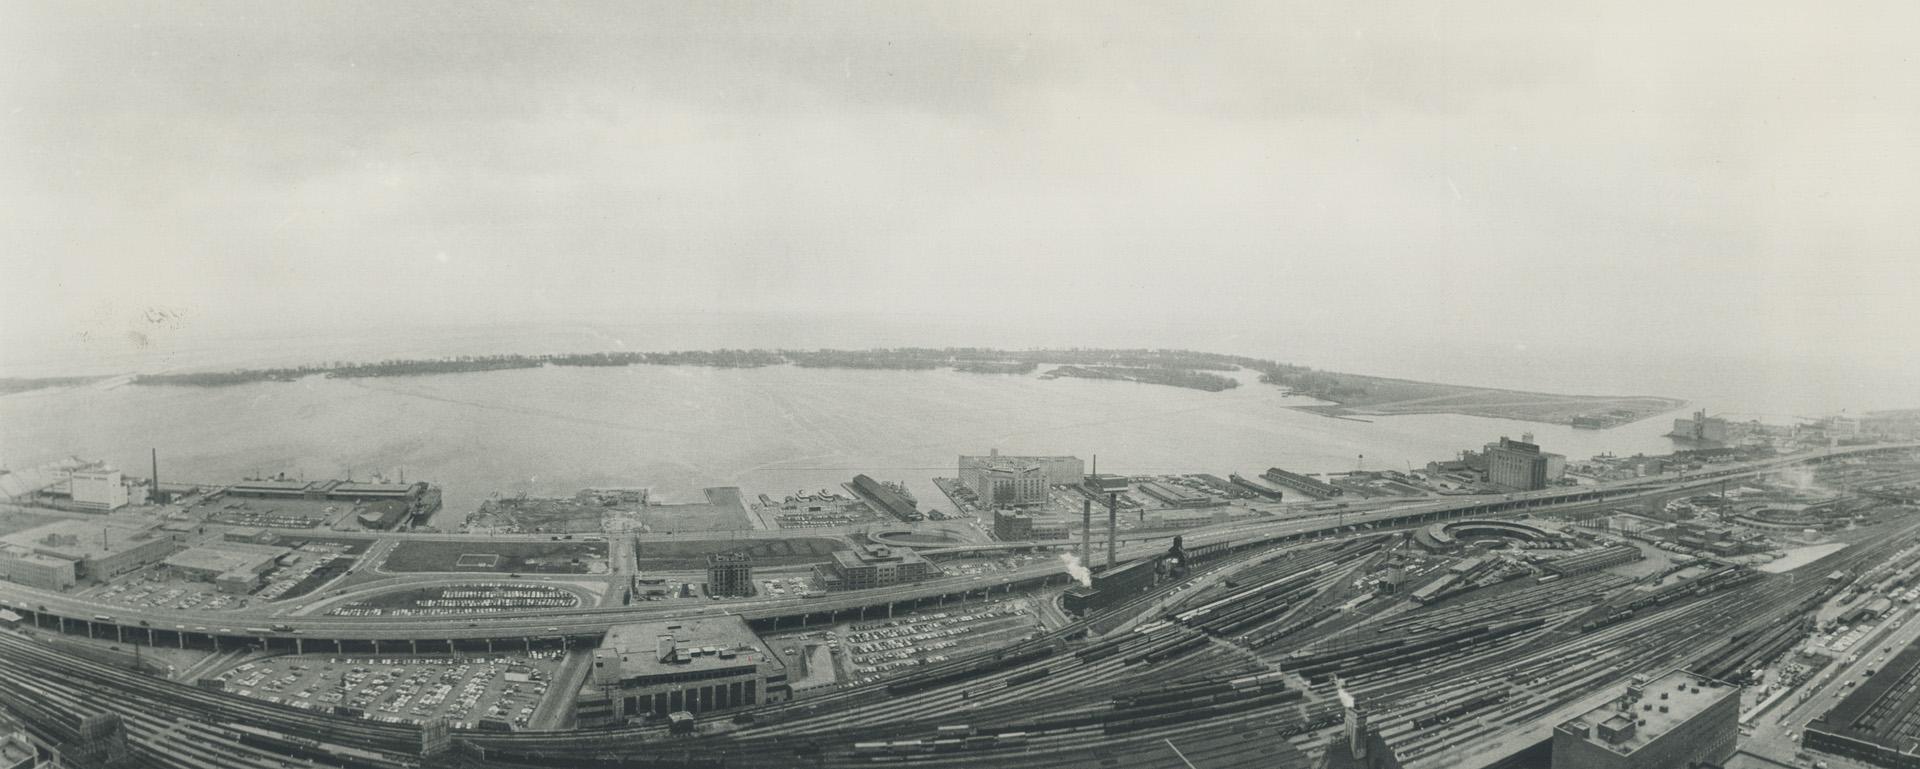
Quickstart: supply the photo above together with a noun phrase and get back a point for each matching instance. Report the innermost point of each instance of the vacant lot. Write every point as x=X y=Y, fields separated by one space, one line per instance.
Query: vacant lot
x=692 y=554
x=528 y=557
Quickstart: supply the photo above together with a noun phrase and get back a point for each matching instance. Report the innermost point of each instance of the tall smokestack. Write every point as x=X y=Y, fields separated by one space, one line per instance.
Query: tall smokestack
x=1086 y=531
x=158 y=497
x=1113 y=528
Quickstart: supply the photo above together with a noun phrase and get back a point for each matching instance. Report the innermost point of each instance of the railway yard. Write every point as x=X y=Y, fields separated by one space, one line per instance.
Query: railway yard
x=1464 y=638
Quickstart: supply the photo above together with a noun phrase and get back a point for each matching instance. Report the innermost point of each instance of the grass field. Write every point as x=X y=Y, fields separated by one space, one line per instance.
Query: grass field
x=528 y=557
x=692 y=554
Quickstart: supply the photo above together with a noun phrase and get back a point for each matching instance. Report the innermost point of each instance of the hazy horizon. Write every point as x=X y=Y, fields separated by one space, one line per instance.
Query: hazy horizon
x=1470 y=191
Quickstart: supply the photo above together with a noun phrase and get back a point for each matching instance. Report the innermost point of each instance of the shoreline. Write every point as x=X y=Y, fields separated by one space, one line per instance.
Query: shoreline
x=1350 y=395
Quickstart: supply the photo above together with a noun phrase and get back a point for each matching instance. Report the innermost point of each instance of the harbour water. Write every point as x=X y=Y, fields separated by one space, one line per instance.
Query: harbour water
x=779 y=430
x=677 y=429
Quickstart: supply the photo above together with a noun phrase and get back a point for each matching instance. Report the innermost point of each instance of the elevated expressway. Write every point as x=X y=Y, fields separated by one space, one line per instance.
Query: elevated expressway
x=562 y=627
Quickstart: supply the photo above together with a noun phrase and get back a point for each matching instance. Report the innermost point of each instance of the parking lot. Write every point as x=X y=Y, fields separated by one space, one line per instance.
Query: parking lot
x=154 y=589
x=493 y=691
x=875 y=650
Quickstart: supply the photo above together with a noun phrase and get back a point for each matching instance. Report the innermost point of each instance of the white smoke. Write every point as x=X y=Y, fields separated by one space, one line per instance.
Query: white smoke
x=1077 y=570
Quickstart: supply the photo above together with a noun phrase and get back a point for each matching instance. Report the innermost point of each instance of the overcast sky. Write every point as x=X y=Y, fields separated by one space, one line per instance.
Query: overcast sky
x=1741 y=173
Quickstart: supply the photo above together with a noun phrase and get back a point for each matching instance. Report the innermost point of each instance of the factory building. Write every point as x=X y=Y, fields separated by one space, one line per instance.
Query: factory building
x=1517 y=465
x=1059 y=471
x=873 y=566
x=1677 y=720
x=100 y=489
x=730 y=574
x=691 y=665
x=1111 y=587
x=233 y=567
x=98 y=552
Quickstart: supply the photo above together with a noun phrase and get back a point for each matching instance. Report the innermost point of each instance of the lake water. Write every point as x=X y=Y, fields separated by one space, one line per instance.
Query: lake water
x=678 y=429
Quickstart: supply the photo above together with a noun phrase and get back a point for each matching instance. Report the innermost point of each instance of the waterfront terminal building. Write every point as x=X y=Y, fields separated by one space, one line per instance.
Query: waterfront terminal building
x=693 y=665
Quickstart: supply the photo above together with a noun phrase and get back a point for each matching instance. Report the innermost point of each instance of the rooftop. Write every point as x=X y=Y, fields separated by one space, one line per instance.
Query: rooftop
x=876 y=554
x=1630 y=723
x=702 y=644
x=78 y=540
x=224 y=557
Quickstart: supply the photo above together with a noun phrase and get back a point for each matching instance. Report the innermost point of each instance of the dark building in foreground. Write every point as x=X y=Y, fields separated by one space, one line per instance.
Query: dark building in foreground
x=729 y=574
x=1677 y=721
x=691 y=665
x=1867 y=725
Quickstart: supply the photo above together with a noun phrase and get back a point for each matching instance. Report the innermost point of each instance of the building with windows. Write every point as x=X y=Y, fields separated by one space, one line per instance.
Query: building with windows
x=100 y=489
x=1012 y=526
x=1516 y=465
x=651 y=669
x=730 y=574
x=874 y=566
x=23 y=566
x=1676 y=721
x=1004 y=483
x=1059 y=471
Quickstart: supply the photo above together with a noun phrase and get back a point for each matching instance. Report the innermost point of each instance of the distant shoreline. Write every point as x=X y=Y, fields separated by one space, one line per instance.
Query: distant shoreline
x=1349 y=395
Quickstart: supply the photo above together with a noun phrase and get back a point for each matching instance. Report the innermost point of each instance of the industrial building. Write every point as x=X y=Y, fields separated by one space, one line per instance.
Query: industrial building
x=691 y=665
x=1312 y=487
x=23 y=566
x=730 y=574
x=1703 y=429
x=1174 y=496
x=873 y=566
x=1258 y=486
x=1603 y=558
x=417 y=499
x=100 y=489
x=1869 y=724
x=233 y=567
x=1516 y=465
x=1005 y=483
x=1059 y=471
x=98 y=551
x=1012 y=526
x=1677 y=720
x=1111 y=587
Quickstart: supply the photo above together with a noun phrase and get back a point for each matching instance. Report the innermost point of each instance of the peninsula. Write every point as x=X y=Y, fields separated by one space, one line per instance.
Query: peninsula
x=1343 y=394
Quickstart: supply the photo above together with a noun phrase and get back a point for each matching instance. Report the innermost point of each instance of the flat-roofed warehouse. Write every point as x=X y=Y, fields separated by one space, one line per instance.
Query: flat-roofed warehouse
x=99 y=551
x=693 y=665
x=234 y=567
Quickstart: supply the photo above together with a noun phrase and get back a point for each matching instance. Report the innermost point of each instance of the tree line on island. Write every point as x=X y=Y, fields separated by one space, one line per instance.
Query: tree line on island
x=1175 y=368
